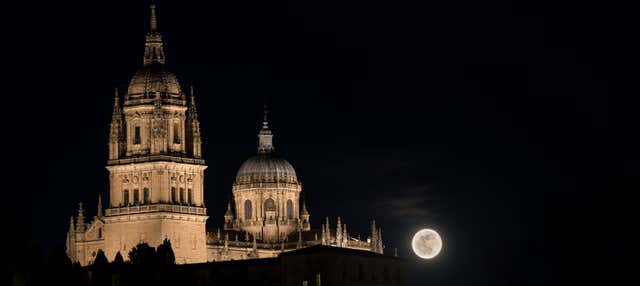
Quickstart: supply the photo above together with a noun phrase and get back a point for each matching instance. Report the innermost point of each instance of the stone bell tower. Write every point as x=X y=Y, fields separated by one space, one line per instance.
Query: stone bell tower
x=155 y=164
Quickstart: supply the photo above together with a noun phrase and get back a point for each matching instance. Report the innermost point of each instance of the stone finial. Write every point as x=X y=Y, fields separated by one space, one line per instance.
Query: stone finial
x=379 y=240
x=80 y=222
x=339 y=233
x=71 y=225
x=373 y=237
x=345 y=235
x=265 y=136
x=328 y=231
x=99 y=213
x=154 y=51
x=153 y=25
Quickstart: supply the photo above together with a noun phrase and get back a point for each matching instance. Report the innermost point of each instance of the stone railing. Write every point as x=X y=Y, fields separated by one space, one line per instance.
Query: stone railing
x=178 y=158
x=155 y=208
x=268 y=221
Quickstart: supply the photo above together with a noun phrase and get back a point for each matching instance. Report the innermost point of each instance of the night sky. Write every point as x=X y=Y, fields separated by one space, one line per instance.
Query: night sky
x=512 y=129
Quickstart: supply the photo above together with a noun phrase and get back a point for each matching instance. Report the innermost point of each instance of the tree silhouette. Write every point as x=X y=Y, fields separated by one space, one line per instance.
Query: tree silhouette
x=101 y=259
x=142 y=254
x=165 y=253
x=118 y=259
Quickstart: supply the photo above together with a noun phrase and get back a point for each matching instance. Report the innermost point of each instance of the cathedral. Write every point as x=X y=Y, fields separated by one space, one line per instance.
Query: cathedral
x=156 y=190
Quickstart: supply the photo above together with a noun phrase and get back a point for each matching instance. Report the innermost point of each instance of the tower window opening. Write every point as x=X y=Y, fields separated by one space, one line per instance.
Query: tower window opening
x=289 y=209
x=182 y=196
x=247 y=210
x=125 y=197
x=269 y=205
x=136 y=135
x=176 y=133
x=173 y=195
x=189 y=197
x=136 y=196
x=145 y=195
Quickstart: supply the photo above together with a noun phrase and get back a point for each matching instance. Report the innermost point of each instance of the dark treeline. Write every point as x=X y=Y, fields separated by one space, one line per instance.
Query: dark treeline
x=146 y=266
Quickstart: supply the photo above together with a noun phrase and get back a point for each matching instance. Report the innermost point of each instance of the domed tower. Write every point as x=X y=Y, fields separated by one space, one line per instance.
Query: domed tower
x=155 y=163
x=266 y=192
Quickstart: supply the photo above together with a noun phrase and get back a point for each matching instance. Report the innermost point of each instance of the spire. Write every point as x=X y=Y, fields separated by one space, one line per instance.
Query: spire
x=228 y=213
x=116 y=146
x=80 y=224
x=71 y=225
x=265 y=137
x=328 y=231
x=345 y=236
x=374 y=237
x=339 y=233
x=193 y=128
x=116 y=103
x=99 y=213
x=71 y=237
x=154 y=22
x=192 y=104
x=153 y=51
x=379 y=240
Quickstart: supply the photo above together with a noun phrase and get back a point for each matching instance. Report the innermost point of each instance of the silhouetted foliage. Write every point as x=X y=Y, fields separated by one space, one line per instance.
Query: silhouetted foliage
x=165 y=253
x=142 y=254
x=101 y=259
x=118 y=259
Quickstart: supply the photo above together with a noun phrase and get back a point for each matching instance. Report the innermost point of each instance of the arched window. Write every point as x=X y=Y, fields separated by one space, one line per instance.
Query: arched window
x=136 y=196
x=176 y=133
x=247 y=210
x=136 y=135
x=269 y=205
x=99 y=232
x=145 y=195
x=125 y=197
x=189 y=196
x=289 y=209
x=182 y=201
x=173 y=195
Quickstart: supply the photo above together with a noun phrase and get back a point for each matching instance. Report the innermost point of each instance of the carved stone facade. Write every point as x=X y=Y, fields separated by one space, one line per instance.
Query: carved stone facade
x=155 y=169
x=156 y=185
x=266 y=193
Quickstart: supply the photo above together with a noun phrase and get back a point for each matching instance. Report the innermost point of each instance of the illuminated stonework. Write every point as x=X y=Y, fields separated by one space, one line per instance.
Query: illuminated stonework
x=156 y=190
x=155 y=169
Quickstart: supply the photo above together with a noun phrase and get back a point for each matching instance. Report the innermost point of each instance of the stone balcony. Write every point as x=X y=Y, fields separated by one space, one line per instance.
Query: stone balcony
x=156 y=208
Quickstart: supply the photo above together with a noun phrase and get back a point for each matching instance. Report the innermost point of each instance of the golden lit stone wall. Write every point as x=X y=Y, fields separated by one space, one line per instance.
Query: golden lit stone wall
x=160 y=179
x=186 y=233
x=157 y=132
x=269 y=224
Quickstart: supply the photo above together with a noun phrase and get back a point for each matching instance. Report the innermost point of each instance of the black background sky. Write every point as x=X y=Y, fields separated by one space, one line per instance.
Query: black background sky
x=511 y=128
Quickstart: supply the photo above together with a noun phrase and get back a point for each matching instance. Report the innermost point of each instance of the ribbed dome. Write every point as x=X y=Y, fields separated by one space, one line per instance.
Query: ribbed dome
x=266 y=168
x=151 y=78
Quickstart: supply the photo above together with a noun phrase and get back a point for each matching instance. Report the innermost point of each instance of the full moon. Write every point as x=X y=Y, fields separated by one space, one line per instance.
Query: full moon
x=426 y=243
